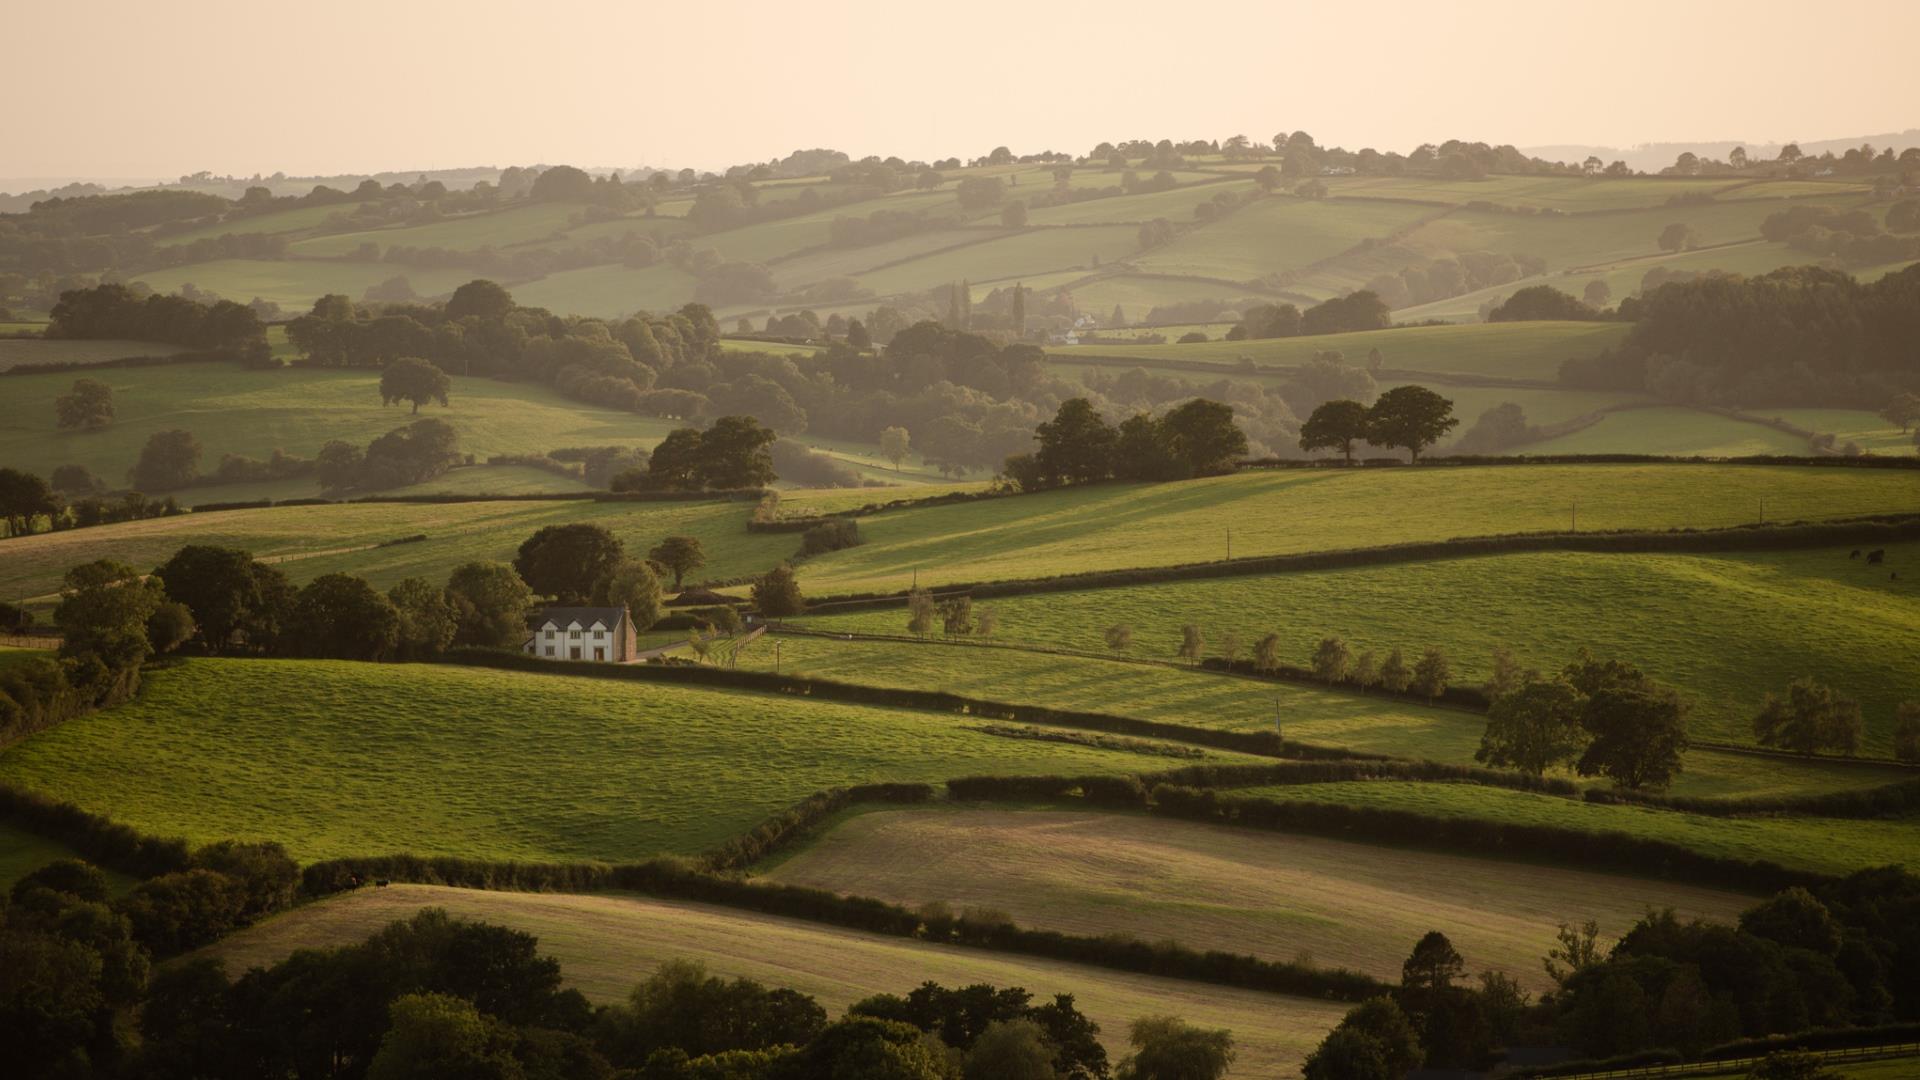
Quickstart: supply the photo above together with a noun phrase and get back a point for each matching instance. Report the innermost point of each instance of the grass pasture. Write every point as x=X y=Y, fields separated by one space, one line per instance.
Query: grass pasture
x=1017 y=256
x=1276 y=235
x=607 y=943
x=514 y=225
x=338 y=759
x=17 y=351
x=1822 y=845
x=23 y=852
x=252 y=413
x=1179 y=695
x=609 y=291
x=1571 y=194
x=1122 y=526
x=1531 y=350
x=307 y=541
x=1672 y=430
x=1723 y=628
x=1274 y=895
x=295 y=284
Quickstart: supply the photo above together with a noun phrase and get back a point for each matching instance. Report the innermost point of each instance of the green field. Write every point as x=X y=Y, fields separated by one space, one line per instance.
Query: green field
x=1567 y=193
x=1034 y=251
x=1277 y=235
x=1274 y=895
x=470 y=232
x=299 y=219
x=609 y=291
x=1675 y=431
x=1174 y=205
x=1850 y=425
x=1530 y=350
x=295 y=284
x=1823 y=845
x=606 y=944
x=1122 y=526
x=1176 y=694
x=338 y=759
x=235 y=411
x=22 y=852
x=1724 y=628
x=16 y=351
x=307 y=541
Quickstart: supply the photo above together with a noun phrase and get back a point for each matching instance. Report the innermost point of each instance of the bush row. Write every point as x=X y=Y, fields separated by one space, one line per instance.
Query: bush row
x=680 y=881
x=1866 y=530
x=1814 y=1039
x=1462 y=697
x=1264 y=743
x=1614 y=851
x=39 y=692
x=107 y=843
x=54 y=367
x=798 y=820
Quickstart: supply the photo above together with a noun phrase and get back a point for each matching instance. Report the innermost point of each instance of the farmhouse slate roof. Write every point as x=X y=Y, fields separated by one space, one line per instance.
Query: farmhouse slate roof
x=610 y=617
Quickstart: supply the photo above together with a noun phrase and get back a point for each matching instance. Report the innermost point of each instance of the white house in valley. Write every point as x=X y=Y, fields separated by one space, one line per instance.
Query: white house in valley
x=605 y=634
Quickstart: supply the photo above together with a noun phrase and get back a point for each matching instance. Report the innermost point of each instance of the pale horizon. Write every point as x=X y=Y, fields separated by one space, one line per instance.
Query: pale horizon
x=374 y=88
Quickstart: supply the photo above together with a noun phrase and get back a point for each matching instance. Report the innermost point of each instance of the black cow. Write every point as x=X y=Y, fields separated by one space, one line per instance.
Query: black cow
x=1854 y=554
x=1876 y=556
x=382 y=882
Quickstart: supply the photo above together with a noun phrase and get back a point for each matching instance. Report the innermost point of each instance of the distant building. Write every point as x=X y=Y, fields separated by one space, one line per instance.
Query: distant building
x=605 y=634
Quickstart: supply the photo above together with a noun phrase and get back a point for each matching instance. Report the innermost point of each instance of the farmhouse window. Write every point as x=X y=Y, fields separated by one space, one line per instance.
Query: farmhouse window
x=549 y=648
x=573 y=635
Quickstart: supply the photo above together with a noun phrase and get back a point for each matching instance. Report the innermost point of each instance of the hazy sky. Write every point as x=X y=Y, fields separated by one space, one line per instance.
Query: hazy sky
x=127 y=89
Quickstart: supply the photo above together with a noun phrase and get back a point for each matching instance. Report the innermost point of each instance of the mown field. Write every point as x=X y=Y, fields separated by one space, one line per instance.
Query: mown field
x=1120 y=526
x=1179 y=695
x=1531 y=350
x=252 y=413
x=1823 y=845
x=1277 y=896
x=307 y=541
x=606 y=944
x=1723 y=628
x=338 y=759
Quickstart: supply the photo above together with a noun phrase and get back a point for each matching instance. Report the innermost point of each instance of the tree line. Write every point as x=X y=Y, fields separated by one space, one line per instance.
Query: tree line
x=1078 y=446
x=1797 y=336
x=1838 y=955
x=436 y=996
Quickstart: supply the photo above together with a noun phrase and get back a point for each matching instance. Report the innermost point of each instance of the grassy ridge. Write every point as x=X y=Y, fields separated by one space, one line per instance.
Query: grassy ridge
x=307 y=541
x=1724 y=628
x=1122 y=526
x=338 y=759
x=605 y=944
x=1175 y=695
x=1273 y=895
x=1823 y=845
x=295 y=284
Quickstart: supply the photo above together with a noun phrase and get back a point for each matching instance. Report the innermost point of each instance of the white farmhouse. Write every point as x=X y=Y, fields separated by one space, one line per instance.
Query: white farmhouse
x=583 y=633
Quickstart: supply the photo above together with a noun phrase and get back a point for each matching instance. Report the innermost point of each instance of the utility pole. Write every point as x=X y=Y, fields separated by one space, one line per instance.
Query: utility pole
x=1763 y=509
x=1229 y=543
x=1276 y=716
x=1576 y=514
x=776 y=656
